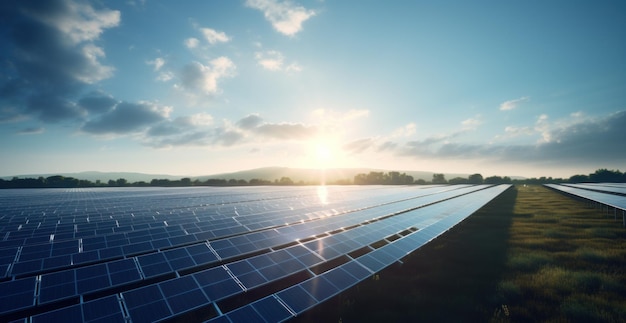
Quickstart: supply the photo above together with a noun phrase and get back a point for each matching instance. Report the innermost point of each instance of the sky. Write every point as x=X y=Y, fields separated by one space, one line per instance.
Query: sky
x=507 y=88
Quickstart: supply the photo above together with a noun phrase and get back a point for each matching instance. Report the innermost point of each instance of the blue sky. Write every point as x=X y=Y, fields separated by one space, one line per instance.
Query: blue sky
x=202 y=87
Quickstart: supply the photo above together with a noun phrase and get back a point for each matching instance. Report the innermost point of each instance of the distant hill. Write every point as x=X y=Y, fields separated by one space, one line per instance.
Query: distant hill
x=314 y=175
x=266 y=173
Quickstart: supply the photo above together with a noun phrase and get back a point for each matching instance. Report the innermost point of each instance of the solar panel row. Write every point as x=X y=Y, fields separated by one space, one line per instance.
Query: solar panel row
x=612 y=200
x=321 y=250
x=610 y=195
x=602 y=187
x=40 y=258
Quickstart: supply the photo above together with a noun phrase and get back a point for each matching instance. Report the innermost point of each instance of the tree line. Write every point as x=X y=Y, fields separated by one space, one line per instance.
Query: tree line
x=372 y=178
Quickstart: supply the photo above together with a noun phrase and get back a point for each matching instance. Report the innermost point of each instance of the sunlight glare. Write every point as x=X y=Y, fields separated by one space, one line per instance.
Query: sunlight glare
x=322 y=193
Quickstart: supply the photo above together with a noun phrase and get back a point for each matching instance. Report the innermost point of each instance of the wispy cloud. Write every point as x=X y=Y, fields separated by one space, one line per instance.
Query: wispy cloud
x=213 y=36
x=270 y=60
x=285 y=17
x=273 y=60
x=157 y=63
x=191 y=42
x=578 y=140
x=127 y=118
x=200 y=131
x=472 y=123
x=512 y=104
x=199 y=77
x=31 y=131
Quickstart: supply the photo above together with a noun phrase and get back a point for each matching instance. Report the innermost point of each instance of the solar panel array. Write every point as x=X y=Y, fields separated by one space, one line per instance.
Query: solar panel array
x=611 y=195
x=607 y=195
x=240 y=254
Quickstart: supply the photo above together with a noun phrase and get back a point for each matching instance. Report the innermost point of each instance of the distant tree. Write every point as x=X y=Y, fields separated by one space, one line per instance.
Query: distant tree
x=475 y=179
x=605 y=175
x=285 y=181
x=112 y=182
x=376 y=178
x=257 y=181
x=458 y=180
x=360 y=179
x=420 y=182
x=578 y=179
x=498 y=180
x=439 y=179
x=121 y=182
x=185 y=181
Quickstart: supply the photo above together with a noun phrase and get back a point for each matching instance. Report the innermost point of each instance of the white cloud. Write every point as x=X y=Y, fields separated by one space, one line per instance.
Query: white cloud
x=543 y=126
x=165 y=76
x=512 y=104
x=270 y=60
x=197 y=76
x=293 y=67
x=191 y=42
x=471 y=123
x=273 y=60
x=405 y=131
x=285 y=17
x=93 y=71
x=157 y=63
x=214 y=36
x=80 y=22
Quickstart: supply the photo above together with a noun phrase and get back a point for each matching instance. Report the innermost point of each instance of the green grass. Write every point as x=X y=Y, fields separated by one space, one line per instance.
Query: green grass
x=532 y=254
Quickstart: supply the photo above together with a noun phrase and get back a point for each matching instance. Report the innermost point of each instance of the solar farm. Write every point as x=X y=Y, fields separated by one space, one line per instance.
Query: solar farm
x=209 y=254
x=203 y=254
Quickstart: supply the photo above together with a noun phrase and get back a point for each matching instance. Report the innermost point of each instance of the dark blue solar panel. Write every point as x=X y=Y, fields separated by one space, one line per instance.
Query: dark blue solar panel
x=357 y=270
x=144 y=295
x=107 y=309
x=178 y=286
x=67 y=314
x=92 y=284
x=151 y=259
x=271 y=309
x=274 y=272
x=182 y=263
x=150 y=312
x=320 y=288
x=210 y=276
x=187 y=300
x=17 y=300
x=252 y=279
x=340 y=278
x=57 y=292
x=156 y=269
x=297 y=299
x=245 y=314
x=123 y=277
x=222 y=289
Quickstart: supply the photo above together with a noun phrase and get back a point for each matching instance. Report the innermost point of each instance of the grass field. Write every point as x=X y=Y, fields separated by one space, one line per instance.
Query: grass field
x=532 y=254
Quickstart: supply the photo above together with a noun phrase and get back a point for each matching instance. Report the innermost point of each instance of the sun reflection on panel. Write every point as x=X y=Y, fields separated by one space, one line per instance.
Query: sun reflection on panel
x=322 y=194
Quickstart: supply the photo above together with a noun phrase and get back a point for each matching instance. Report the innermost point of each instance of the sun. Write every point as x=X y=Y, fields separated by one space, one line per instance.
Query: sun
x=324 y=153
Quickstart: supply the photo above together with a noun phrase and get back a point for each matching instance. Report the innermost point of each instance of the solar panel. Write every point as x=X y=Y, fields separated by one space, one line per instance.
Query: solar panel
x=149 y=254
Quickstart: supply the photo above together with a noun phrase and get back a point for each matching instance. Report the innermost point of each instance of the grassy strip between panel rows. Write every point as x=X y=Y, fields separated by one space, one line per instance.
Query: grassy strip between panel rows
x=531 y=254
